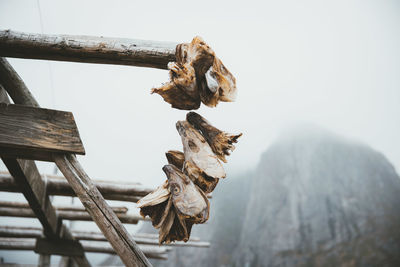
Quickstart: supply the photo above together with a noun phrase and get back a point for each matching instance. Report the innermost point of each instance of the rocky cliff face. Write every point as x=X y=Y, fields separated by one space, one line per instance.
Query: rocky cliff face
x=315 y=199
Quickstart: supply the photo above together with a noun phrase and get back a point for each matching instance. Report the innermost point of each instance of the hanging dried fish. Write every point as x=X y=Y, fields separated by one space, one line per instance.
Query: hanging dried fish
x=198 y=151
x=220 y=142
x=197 y=76
x=201 y=165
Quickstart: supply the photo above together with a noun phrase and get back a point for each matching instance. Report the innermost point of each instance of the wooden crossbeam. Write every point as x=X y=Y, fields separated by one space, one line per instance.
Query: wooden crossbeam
x=67 y=208
x=87 y=49
x=36 y=133
x=35 y=232
x=72 y=248
x=68 y=215
x=25 y=172
x=58 y=186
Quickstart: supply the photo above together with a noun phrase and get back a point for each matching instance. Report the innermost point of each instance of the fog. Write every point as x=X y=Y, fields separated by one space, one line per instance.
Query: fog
x=330 y=63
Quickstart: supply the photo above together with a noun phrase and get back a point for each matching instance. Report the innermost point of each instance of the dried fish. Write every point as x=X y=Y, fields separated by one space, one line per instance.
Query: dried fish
x=198 y=152
x=197 y=76
x=220 y=142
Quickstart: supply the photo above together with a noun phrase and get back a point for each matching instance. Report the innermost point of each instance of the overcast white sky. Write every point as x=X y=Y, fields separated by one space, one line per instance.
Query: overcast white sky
x=330 y=63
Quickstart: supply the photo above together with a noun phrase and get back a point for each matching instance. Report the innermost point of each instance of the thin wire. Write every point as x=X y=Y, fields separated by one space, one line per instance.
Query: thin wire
x=53 y=96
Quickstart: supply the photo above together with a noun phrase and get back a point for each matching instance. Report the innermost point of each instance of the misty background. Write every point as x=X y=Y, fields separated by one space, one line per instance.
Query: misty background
x=335 y=64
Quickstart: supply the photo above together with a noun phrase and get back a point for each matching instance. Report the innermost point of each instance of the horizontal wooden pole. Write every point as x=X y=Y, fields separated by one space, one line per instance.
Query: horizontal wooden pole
x=87 y=49
x=58 y=185
x=34 y=232
x=68 y=215
x=69 y=208
x=30 y=244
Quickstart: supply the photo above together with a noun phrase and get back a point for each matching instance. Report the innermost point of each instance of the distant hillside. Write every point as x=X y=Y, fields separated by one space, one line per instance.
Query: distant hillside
x=315 y=199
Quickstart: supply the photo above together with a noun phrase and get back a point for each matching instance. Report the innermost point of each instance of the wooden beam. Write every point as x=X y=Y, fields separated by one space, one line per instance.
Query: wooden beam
x=68 y=215
x=44 y=260
x=25 y=172
x=67 y=208
x=87 y=49
x=26 y=130
x=58 y=186
x=68 y=248
x=34 y=232
x=101 y=213
x=15 y=86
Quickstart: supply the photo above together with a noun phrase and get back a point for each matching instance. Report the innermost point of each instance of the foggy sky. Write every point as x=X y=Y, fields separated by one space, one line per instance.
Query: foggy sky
x=330 y=63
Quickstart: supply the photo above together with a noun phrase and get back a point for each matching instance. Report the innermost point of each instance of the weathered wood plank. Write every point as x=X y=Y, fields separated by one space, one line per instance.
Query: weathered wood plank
x=102 y=214
x=32 y=185
x=87 y=49
x=27 y=128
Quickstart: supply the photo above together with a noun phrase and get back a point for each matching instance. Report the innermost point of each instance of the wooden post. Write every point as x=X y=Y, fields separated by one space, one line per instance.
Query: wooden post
x=87 y=49
x=14 y=85
x=101 y=213
x=44 y=260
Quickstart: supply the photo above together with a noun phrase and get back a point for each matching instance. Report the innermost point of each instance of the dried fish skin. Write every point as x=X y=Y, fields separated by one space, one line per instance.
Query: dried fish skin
x=181 y=92
x=206 y=183
x=189 y=201
x=198 y=53
x=221 y=143
x=158 y=196
x=196 y=77
x=176 y=158
x=198 y=151
x=219 y=79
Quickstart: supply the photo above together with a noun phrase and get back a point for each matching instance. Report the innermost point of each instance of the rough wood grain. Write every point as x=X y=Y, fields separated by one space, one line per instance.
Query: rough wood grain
x=36 y=232
x=87 y=49
x=15 y=86
x=68 y=208
x=26 y=128
x=68 y=215
x=104 y=217
x=59 y=186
